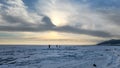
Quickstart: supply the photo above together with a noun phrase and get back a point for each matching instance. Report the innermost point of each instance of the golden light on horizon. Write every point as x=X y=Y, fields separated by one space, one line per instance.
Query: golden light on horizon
x=53 y=35
x=49 y=37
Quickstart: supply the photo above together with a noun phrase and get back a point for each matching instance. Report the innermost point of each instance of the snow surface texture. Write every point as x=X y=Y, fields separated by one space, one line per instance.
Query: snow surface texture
x=62 y=57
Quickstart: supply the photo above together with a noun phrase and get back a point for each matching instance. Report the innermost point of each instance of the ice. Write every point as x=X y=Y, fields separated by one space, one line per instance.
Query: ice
x=59 y=57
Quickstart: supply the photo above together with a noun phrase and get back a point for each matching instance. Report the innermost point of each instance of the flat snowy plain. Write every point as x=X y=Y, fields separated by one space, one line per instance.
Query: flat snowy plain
x=62 y=57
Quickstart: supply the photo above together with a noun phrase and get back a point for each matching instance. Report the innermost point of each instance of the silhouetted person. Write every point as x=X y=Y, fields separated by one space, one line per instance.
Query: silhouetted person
x=49 y=46
x=56 y=46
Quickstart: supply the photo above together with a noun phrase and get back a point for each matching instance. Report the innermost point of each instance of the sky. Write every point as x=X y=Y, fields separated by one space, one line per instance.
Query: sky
x=81 y=22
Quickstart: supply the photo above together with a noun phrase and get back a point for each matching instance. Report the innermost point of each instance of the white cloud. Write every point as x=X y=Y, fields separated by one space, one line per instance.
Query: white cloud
x=61 y=12
x=66 y=12
x=18 y=13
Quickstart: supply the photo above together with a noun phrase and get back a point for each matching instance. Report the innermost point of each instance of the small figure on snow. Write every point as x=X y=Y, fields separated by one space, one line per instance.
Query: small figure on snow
x=49 y=46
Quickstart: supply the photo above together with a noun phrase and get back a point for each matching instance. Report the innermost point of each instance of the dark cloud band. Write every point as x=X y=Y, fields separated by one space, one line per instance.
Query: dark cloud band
x=48 y=26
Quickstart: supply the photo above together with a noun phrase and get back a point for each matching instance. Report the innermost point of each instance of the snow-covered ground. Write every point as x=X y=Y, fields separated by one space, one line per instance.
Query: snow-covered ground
x=63 y=57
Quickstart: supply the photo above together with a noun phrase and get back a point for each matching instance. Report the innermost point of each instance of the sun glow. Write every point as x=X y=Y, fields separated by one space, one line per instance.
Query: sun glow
x=58 y=18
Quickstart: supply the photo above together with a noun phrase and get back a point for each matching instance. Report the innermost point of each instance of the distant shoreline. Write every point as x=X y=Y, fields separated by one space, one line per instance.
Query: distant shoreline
x=39 y=45
x=55 y=45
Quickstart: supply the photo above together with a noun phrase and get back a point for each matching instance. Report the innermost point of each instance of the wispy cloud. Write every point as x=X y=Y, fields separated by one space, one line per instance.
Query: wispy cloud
x=63 y=16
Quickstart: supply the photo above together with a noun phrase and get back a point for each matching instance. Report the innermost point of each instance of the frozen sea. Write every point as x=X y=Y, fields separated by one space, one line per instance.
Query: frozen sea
x=59 y=57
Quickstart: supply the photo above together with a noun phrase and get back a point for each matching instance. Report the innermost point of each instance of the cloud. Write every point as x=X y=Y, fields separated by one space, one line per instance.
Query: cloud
x=50 y=27
x=47 y=22
x=56 y=15
x=15 y=12
x=85 y=16
x=77 y=15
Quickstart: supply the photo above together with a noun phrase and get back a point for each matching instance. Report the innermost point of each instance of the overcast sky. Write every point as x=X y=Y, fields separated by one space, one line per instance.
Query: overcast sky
x=57 y=21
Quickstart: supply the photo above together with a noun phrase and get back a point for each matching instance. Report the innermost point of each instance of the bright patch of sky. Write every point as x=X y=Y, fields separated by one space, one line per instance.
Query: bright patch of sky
x=82 y=18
